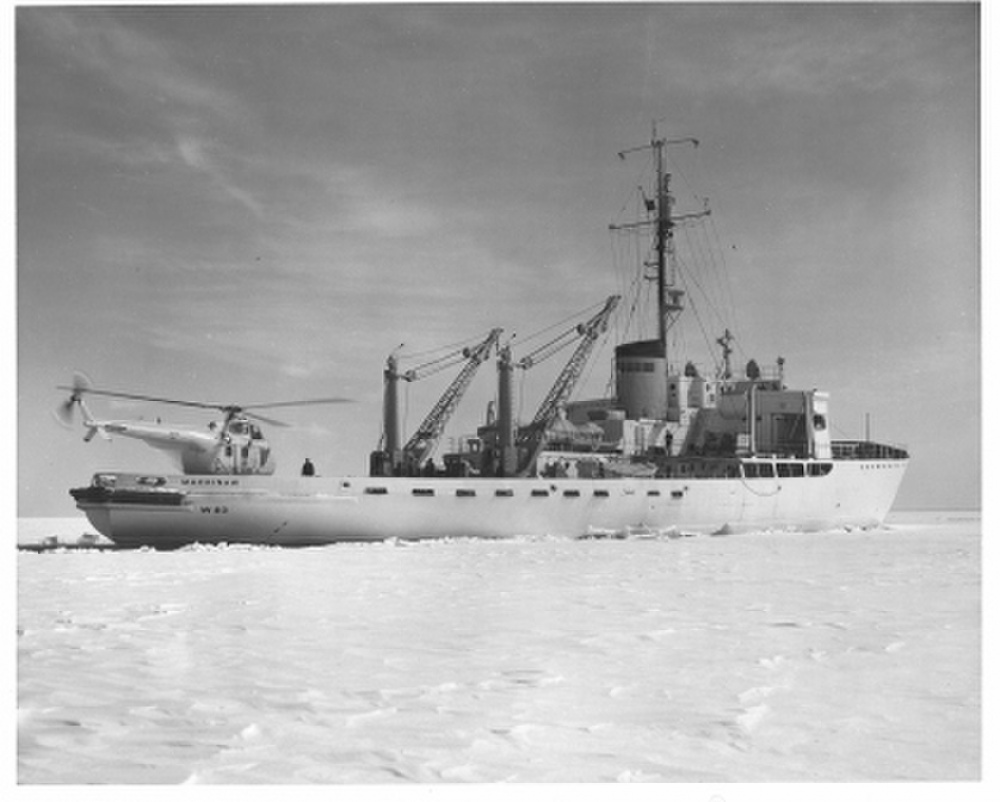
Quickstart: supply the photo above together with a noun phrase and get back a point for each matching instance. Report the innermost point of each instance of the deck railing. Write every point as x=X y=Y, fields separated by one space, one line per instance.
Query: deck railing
x=865 y=449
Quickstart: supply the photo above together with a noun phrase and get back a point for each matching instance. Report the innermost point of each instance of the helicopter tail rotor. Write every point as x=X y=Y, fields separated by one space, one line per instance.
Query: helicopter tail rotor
x=64 y=413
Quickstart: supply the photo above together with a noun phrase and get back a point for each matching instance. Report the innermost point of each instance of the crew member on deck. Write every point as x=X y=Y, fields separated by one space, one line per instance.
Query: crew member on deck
x=308 y=469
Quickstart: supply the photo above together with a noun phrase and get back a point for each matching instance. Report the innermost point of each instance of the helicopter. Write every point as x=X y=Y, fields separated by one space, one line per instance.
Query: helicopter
x=236 y=446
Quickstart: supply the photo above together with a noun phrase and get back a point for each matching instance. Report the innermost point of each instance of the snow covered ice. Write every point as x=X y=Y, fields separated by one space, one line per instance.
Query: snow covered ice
x=772 y=656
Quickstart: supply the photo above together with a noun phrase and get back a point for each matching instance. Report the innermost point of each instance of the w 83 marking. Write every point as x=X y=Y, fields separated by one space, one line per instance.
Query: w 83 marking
x=213 y=510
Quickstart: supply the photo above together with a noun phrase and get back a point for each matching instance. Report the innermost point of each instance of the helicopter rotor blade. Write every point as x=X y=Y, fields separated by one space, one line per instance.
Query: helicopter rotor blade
x=82 y=384
x=64 y=412
x=268 y=421
x=245 y=409
x=137 y=397
x=307 y=402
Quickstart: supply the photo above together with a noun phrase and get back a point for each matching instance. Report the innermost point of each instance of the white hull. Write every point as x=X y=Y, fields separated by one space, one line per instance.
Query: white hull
x=171 y=511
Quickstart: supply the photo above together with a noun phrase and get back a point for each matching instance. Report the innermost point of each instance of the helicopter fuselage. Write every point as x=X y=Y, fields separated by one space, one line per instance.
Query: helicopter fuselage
x=239 y=448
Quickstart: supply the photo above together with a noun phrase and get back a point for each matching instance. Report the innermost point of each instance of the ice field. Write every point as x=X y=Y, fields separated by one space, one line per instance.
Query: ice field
x=834 y=656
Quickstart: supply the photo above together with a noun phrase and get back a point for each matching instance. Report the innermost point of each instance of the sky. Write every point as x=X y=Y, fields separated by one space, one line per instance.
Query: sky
x=259 y=203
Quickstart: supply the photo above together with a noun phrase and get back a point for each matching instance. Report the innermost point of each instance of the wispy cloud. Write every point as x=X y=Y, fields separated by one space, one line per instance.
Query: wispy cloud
x=141 y=67
x=163 y=111
x=808 y=49
x=196 y=154
x=365 y=203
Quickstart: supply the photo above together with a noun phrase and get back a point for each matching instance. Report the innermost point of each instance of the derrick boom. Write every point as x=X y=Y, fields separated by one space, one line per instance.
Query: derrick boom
x=423 y=442
x=531 y=438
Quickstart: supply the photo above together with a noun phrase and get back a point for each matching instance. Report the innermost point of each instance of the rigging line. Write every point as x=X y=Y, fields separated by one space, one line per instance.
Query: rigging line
x=632 y=197
x=554 y=345
x=451 y=347
x=550 y=343
x=716 y=254
x=696 y=240
x=723 y=297
x=640 y=170
x=727 y=272
x=704 y=334
x=716 y=298
x=645 y=288
x=404 y=425
x=611 y=380
x=596 y=360
x=674 y=166
x=445 y=361
x=638 y=285
x=632 y=282
x=619 y=279
x=520 y=399
x=431 y=368
x=563 y=322
x=627 y=257
x=718 y=273
x=689 y=276
x=841 y=432
x=540 y=355
x=632 y=319
x=631 y=290
x=426 y=374
x=591 y=363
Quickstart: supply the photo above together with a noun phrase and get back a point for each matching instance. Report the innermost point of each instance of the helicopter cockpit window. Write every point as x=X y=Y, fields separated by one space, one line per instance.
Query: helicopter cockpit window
x=237 y=427
x=255 y=432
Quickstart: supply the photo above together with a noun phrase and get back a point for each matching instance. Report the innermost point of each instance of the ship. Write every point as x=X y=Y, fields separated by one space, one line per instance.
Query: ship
x=674 y=450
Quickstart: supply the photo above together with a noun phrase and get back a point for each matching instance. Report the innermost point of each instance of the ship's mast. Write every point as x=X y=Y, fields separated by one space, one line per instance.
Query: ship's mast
x=669 y=298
